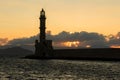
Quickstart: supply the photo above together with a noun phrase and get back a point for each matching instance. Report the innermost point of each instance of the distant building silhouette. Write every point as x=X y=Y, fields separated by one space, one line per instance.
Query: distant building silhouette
x=43 y=47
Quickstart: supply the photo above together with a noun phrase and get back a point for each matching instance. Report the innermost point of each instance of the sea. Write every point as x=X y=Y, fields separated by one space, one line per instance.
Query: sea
x=29 y=69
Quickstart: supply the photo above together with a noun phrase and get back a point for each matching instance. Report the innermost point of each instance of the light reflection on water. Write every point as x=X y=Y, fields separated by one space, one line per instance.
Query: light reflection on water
x=25 y=69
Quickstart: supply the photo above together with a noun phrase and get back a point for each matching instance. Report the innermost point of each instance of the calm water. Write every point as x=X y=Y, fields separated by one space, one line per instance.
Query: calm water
x=25 y=69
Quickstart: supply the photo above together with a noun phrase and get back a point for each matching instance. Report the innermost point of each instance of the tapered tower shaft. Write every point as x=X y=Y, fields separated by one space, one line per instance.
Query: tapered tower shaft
x=42 y=26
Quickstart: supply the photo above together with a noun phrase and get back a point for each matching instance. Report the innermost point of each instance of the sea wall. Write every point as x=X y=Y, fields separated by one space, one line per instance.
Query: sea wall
x=101 y=53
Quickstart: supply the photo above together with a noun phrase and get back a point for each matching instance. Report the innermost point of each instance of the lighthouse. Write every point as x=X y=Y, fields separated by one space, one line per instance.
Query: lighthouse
x=42 y=25
x=43 y=47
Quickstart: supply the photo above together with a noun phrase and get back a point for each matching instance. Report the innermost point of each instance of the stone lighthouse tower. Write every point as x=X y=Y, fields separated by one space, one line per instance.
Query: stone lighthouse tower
x=42 y=25
x=43 y=47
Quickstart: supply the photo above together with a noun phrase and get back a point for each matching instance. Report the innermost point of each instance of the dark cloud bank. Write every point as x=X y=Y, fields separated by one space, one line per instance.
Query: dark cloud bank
x=95 y=40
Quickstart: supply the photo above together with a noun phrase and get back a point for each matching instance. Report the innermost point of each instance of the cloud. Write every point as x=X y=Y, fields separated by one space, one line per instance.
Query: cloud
x=93 y=39
x=23 y=41
x=3 y=41
x=115 y=40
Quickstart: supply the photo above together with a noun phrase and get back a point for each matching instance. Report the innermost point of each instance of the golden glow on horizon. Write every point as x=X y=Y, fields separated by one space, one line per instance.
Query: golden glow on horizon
x=107 y=39
x=114 y=46
x=3 y=41
x=88 y=46
x=118 y=37
x=2 y=44
x=71 y=44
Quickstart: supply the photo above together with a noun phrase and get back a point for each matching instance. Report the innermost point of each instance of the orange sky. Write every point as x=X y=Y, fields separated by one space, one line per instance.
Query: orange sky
x=20 y=18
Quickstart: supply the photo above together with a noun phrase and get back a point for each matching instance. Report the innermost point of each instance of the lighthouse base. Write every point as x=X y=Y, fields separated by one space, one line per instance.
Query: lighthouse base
x=44 y=49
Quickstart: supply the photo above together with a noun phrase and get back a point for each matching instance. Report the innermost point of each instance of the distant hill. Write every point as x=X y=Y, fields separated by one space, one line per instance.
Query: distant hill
x=14 y=52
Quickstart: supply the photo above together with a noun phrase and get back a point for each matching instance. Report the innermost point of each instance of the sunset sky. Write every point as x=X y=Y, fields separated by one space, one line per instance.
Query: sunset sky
x=20 y=18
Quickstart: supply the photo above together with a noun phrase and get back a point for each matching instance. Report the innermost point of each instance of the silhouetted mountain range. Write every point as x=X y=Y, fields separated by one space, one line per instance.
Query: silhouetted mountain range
x=14 y=52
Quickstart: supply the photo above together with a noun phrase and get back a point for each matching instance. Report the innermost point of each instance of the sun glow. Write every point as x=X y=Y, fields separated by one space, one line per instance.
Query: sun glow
x=115 y=46
x=118 y=37
x=71 y=43
x=88 y=46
